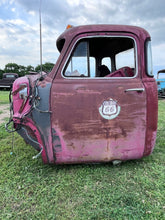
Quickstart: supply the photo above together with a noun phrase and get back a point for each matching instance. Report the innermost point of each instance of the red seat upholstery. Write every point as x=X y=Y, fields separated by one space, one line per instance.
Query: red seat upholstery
x=122 y=72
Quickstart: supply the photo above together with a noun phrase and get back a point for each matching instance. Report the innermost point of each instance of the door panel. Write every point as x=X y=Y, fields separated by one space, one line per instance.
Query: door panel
x=98 y=119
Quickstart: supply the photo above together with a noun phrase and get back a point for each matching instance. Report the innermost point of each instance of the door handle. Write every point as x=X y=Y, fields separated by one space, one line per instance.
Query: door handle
x=135 y=89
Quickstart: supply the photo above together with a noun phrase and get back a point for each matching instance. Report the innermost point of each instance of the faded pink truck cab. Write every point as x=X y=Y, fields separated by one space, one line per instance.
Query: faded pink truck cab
x=98 y=104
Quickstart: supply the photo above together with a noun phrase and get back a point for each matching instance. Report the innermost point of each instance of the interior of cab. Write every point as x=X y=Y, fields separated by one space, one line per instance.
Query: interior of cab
x=102 y=57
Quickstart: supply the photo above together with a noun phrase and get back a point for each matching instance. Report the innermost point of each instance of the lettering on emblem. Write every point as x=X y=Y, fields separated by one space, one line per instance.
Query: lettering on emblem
x=109 y=109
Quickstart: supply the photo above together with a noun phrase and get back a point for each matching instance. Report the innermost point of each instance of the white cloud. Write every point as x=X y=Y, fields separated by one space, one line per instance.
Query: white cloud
x=20 y=31
x=13 y=9
x=32 y=13
x=74 y=2
x=3 y=2
x=158 y=54
x=15 y=22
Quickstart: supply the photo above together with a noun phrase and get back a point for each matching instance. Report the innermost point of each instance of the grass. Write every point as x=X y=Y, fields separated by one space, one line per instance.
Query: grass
x=31 y=190
x=4 y=97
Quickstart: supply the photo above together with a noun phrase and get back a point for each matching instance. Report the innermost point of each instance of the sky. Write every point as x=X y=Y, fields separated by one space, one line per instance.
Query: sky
x=19 y=25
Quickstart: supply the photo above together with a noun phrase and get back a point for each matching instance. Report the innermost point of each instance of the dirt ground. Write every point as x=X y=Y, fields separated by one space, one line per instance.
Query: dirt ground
x=4 y=112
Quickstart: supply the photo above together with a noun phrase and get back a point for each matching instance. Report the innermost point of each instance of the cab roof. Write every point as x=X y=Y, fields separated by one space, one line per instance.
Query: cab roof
x=70 y=33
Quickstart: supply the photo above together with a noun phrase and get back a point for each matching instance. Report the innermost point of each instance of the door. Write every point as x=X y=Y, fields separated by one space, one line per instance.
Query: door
x=99 y=116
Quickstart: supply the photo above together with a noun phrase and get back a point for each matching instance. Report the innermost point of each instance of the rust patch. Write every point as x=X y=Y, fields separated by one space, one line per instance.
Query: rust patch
x=56 y=142
x=72 y=146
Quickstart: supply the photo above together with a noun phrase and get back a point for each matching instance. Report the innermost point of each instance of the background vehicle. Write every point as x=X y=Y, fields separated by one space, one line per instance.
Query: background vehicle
x=8 y=79
x=161 y=83
x=98 y=104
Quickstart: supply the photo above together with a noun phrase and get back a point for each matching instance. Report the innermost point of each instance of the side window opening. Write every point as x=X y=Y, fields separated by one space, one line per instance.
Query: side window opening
x=149 y=65
x=125 y=58
x=107 y=62
x=79 y=63
x=92 y=67
x=102 y=57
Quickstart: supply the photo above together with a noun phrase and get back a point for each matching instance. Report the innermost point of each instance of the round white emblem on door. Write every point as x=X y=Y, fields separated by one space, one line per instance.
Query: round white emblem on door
x=109 y=109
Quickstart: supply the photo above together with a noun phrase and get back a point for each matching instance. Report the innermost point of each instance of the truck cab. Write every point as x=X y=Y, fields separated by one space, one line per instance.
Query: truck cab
x=8 y=79
x=98 y=104
x=161 y=83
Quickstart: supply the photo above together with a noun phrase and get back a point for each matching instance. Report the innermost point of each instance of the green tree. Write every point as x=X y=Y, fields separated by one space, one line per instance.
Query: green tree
x=1 y=73
x=11 y=68
x=29 y=68
x=47 y=67
x=22 y=70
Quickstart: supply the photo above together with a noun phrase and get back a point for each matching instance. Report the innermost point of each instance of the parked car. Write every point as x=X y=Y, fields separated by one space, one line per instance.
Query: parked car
x=98 y=104
x=161 y=83
x=8 y=79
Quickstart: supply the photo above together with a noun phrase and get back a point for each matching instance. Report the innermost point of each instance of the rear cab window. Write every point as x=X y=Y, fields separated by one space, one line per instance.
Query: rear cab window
x=149 y=64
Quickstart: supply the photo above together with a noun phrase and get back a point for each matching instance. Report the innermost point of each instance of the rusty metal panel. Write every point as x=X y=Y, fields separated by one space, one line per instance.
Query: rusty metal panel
x=88 y=136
